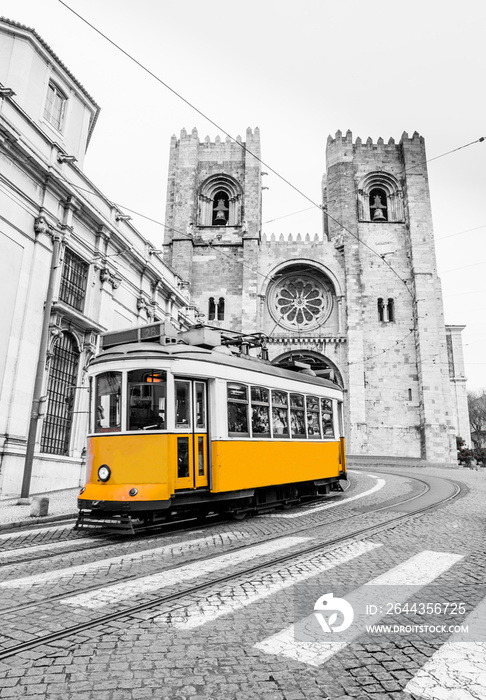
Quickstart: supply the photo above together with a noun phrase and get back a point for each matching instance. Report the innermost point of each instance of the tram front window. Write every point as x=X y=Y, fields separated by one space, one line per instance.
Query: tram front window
x=147 y=395
x=108 y=400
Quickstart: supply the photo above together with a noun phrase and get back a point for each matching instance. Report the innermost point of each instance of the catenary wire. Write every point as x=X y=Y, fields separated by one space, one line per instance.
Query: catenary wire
x=205 y=116
x=211 y=121
x=404 y=282
x=210 y=246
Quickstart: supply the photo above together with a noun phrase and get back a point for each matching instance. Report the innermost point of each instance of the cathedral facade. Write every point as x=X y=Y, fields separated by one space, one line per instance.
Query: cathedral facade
x=360 y=302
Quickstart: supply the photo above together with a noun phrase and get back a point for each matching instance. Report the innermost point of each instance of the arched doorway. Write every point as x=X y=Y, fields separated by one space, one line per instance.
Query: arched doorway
x=320 y=365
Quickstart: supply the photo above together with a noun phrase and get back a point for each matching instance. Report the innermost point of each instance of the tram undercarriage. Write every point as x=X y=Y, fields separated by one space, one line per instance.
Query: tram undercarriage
x=115 y=516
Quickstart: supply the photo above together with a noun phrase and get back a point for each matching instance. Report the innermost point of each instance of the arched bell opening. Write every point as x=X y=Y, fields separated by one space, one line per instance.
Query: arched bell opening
x=220 y=202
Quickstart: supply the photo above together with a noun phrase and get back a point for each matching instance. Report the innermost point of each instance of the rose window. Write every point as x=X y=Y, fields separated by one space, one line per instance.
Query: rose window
x=300 y=301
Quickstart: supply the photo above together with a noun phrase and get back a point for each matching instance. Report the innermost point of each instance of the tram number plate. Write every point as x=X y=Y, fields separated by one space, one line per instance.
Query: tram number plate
x=150 y=332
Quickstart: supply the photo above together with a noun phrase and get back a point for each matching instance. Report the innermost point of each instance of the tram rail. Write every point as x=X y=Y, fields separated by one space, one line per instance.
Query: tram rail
x=157 y=601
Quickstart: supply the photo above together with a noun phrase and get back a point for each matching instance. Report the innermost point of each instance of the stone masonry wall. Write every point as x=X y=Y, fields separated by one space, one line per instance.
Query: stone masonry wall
x=403 y=393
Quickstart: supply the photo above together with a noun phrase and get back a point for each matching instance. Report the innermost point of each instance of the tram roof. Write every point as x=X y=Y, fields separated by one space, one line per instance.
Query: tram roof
x=153 y=351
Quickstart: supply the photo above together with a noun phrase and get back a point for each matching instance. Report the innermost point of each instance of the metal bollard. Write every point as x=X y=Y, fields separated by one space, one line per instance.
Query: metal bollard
x=39 y=507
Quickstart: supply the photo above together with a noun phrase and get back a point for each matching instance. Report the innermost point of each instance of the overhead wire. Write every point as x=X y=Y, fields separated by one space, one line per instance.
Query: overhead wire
x=281 y=177
x=285 y=216
x=210 y=246
x=239 y=143
x=211 y=121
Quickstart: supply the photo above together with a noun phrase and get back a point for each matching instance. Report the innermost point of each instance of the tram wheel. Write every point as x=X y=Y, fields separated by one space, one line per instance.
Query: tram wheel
x=239 y=515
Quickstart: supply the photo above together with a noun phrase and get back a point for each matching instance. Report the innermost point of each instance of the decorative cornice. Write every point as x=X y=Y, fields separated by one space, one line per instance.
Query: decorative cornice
x=62 y=311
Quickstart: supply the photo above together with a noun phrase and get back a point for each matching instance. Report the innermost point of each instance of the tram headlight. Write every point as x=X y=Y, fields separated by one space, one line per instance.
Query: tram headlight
x=104 y=472
x=133 y=492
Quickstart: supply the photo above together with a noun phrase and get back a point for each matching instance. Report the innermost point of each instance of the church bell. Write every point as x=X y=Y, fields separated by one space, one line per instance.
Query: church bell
x=220 y=212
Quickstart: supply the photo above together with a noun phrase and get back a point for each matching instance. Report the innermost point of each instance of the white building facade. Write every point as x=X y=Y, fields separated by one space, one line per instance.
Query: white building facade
x=64 y=250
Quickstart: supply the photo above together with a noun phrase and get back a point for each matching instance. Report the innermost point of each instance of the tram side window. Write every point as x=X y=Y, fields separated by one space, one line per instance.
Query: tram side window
x=237 y=409
x=108 y=402
x=313 y=426
x=260 y=411
x=280 y=414
x=326 y=415
x=147 y=397
x=297 y=415
x=200 y=398
x=183 y=404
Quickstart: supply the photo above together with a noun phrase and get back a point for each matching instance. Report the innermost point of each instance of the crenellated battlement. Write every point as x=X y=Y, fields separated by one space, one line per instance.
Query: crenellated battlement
x=192 y=138
x=347 y=140
x=291 y=238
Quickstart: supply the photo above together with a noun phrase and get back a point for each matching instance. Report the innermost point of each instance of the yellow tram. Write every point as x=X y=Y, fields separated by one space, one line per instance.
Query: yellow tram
x=191 y=422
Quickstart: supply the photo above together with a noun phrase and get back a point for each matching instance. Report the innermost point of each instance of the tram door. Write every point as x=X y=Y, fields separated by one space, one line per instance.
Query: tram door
x=192 y=439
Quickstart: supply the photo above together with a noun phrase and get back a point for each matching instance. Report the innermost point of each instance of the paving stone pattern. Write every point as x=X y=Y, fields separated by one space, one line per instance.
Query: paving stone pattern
x=149 y=655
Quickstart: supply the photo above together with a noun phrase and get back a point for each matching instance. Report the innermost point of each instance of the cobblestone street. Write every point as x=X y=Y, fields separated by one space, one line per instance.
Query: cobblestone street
x=235 y=638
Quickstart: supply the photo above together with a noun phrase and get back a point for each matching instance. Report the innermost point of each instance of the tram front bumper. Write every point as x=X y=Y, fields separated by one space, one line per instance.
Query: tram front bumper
x=122 y=506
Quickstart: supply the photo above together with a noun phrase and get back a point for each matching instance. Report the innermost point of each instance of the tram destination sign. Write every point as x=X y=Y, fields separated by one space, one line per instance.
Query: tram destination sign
x=153 y=332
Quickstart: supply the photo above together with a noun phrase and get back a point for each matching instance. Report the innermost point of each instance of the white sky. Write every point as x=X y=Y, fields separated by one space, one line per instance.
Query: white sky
x=299 y=71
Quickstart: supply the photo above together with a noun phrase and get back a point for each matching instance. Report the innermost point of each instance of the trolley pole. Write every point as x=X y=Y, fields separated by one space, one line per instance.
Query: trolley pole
x=57 y=239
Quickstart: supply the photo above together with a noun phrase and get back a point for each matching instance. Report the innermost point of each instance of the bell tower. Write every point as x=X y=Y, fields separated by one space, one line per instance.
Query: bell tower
x=213 y=224
x=400 y=399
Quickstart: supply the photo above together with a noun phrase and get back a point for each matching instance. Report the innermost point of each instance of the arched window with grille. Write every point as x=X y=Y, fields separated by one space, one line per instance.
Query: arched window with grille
x=61 y=390
x=211 y=309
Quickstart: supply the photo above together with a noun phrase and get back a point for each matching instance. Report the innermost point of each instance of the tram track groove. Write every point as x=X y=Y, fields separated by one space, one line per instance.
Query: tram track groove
x=165 y=529
x=238 y=548
x=132 y=577
x=132 y=611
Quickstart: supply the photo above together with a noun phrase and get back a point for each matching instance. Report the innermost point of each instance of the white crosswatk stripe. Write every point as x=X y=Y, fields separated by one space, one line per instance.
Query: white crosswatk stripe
x=418 y=571
x=342 y=501
x=188 y=572
x=232 y=599
x=46 y=546
x=457 y=671
x=103 y=563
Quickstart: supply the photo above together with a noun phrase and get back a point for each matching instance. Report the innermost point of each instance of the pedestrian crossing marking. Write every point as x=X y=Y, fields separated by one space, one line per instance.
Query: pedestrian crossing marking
x=418 y=571
x=197 y=615
x=146 y=584
x=380 y=483
x=457 y=670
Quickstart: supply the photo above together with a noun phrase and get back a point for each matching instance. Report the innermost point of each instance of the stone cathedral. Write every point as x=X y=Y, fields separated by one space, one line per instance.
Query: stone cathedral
x=360 y=301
